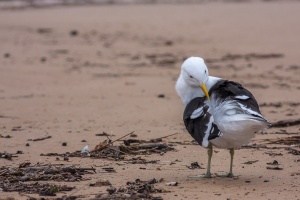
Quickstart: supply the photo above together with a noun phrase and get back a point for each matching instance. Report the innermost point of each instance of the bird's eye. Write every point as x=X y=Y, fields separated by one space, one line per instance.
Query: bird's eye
x=205 y=71
x=191 y=77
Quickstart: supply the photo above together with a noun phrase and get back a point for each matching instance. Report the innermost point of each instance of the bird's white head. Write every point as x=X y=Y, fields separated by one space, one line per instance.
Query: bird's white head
x=195 y=73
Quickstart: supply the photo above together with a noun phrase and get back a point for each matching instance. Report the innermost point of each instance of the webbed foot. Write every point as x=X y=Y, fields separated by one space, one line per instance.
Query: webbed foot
x=228 y=175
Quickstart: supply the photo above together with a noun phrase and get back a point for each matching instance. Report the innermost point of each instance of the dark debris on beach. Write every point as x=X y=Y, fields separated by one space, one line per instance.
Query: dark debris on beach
x=26 y=178
x=133 y=190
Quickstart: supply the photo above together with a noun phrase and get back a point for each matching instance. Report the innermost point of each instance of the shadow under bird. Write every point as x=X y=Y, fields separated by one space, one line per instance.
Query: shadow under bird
x=218 y=112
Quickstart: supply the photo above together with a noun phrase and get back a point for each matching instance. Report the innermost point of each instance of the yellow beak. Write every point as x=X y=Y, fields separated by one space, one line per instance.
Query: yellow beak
x=203 y=87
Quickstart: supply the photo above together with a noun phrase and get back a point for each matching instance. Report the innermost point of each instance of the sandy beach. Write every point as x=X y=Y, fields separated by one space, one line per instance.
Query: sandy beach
x=68 y=73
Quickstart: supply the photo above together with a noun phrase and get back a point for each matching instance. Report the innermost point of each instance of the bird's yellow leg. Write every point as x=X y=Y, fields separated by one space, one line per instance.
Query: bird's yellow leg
x=230 y=174
x=231 y=151
x=208 y=174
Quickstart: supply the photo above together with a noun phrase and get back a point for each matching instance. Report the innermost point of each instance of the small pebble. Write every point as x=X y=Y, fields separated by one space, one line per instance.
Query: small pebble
x=43 y=59
x=6 y=55
x=161 y=96
x=19 y=152
x=27 y=145
x=64 y=144
x=133 y=135
x=169 y=43
x=66 y=158
x=73 y=33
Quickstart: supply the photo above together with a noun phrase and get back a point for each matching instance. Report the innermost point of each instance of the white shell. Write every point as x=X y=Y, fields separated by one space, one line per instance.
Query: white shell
x=85 y=149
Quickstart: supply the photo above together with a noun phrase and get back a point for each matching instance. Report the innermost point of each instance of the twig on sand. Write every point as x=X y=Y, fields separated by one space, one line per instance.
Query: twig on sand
x=122 y=137
x=99 y=147
x=39 y=139
x=286 y=123
x=163 y=137
x=155 y=140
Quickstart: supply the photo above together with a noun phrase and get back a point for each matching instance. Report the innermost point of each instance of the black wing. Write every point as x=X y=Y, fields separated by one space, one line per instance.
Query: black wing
x=203 y=124
x=230 y=90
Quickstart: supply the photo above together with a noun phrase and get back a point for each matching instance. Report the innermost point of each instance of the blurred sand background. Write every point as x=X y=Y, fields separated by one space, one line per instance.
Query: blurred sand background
x=73 y=71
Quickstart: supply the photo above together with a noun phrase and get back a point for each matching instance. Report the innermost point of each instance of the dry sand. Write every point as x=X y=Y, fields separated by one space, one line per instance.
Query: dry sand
x=72 y=72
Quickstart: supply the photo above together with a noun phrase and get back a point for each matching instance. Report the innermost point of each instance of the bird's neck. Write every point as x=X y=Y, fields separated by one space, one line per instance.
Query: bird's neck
x=187 y=92
x=211 y=82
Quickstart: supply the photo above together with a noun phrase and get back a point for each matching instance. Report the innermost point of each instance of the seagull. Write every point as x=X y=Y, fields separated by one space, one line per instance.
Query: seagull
x=218 y=112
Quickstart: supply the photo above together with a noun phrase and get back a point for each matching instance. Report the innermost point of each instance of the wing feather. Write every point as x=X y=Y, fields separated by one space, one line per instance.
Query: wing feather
x=200 y=125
